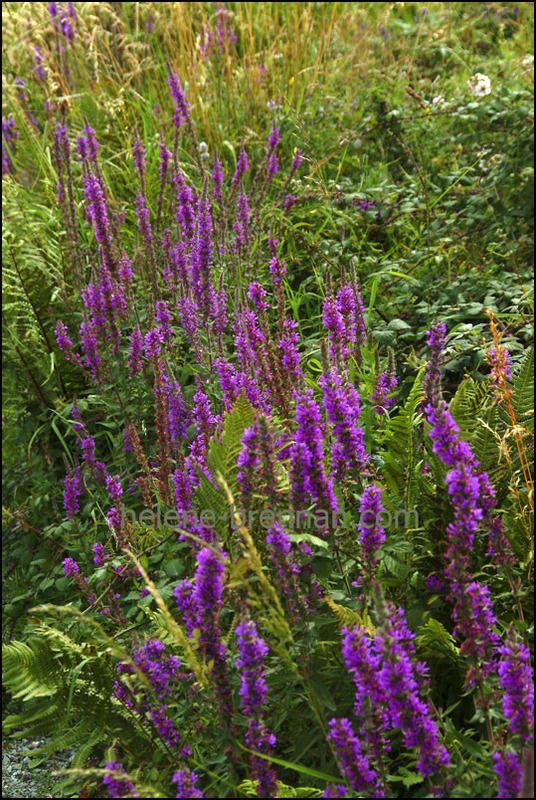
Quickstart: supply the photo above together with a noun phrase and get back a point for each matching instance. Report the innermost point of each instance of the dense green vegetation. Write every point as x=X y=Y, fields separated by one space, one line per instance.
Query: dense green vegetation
x=376 y=182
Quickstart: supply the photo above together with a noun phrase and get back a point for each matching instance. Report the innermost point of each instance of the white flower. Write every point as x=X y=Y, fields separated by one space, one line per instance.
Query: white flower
x=479 y=84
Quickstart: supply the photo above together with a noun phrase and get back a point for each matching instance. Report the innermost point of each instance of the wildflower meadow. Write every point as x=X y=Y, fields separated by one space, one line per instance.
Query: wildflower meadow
x=268 y=397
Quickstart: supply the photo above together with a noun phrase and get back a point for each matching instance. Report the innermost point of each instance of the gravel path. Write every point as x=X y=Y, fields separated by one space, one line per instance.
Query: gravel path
x=18 y=780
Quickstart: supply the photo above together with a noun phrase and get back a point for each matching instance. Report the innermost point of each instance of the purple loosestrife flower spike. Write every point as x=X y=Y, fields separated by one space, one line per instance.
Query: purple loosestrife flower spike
x=253 y=693
x=256 y=461
x=354 y=765
x=500 y=366
x=93 y=360
x=177 y=417
x=344 y=318
x=116 y=787
x=436 y=342
x=343 y=406
x=206 y=601
x=217 y=179
x=289 y=202
x=371 y=534
x=296 y=162
x=384 y=385
x=253 y=690
x=181 y=104
x=202 y=258
x=138 y=153
x=387 y=676
x=274 y=138
x=70 y=567
x=186 y=207
x=9 y=134
x=74 y=486
x=508 y=770
x=288 y=347
x=185 y=781
x=88 y=145
x=516 y=678
x=65 y=344
x=472 y=498
x=162 y=671
x=135 y=362
x=101 y=556
x=242 y=224
x=308 y=478
x=99 y=216
x=241 y=167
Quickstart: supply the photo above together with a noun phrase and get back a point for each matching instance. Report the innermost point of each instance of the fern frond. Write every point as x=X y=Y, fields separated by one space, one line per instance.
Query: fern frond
x=346 y=616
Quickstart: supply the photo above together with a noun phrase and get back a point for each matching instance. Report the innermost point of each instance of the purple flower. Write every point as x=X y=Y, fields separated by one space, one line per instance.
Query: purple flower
x=202 y=257
x=113 y=486
x=9 y=134
x=308 y=478
x=472 y=499
x=344 y=318
x=138 y=152
x=253 y=693
x=387 y=676
x=162 y=670
x=186 y=207
x=252 y=649
x=99 y=215
x=163 y=317
x=289 y=202
x=354 y=765
x=217 y=179
x=70 y=567
x=516 y=677
x=500 y=363
x=144 y=224
x=177 y=416
x=274 y=138
x=90 y=347
x=39 y=70
x=371 y=534
x=241 y=224
x=256 y=461
x=135 y=361
x=273 y=165
x=88 y=145
x=384 y=386
x=436 y=342
x=296 y=162
x=343 y=406
x=185 y=781
x=64 y=343
x=241 y=167
x=287 y=345
x=74 y=486
x=101 y=555
x=117 y=787
x=508 y=770
x=181 y=104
